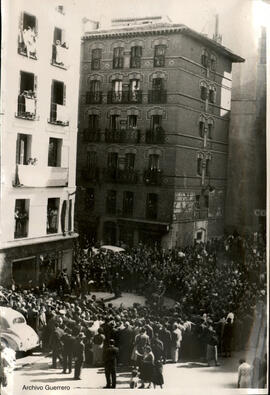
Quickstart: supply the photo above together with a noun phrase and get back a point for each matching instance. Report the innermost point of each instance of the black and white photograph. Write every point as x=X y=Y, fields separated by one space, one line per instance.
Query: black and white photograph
x=134 y=228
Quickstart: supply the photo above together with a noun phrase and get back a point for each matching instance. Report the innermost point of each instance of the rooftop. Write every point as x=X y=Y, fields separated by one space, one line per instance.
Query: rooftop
x=154 y=28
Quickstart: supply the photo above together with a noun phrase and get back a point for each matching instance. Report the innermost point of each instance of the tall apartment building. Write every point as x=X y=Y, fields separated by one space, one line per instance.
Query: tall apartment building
x=153 y=133
x=39 y=101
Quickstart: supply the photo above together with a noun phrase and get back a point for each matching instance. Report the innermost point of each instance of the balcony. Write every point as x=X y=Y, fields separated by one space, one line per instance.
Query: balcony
x=91 y=174
x=36 y=176
x=58 y=115
x=129 y=136
x=26 y=107
x=91 y=136
x=155 y=136
x=124 y=97
x=93 y=98
x=121 y=176
x=201 y=214
x=27 y=43
x=152 y=177
x=59 y=56
x=157 y=96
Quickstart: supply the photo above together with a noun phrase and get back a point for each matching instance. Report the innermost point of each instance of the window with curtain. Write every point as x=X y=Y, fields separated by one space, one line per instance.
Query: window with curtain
x=153 y=162
x=118 y=58
x=132 y=121
x=203 y=88
x=159 y=55
x=135 y=57
x=96 y=59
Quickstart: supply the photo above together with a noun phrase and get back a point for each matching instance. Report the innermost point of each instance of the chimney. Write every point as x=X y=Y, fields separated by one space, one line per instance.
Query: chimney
x=217 y=37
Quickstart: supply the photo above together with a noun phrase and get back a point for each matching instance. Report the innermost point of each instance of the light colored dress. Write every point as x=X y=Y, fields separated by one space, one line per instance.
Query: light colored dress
x=244 y=375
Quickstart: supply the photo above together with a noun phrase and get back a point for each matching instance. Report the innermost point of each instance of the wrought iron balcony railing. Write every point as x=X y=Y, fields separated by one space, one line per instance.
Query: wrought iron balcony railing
x=155 y=136
x=130 y=135
x=152 y=177
x=93 y=98
x=121 y=176
x=26 y=107
x=58 y=115
x=124 y=97
x=91 y=135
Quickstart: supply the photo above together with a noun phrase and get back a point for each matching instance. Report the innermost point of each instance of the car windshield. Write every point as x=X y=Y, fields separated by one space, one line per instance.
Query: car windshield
x=19 y=320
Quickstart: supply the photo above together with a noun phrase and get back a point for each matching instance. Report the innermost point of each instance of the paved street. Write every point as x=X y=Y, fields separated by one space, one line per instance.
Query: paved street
x=187 y=376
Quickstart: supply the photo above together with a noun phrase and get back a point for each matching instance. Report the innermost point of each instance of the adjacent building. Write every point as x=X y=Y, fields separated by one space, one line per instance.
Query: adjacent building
x=39 y=101
x=154 y=116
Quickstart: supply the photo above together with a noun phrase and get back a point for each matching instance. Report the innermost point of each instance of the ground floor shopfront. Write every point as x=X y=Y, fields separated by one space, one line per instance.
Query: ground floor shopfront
x=36 y=262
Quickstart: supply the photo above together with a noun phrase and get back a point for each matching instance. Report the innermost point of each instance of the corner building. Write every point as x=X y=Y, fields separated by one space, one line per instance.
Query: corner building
x=153 y=134
x=39 y=101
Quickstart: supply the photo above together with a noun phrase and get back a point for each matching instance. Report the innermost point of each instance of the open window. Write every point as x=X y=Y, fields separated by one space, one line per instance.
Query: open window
x=21 y=218
x=27 y=35
x=27 y=96
x=23 y=149
x=134 y=91
x=52 y=215
x=55 y=151
x=132 y=121
x=212 y=94
x=152 y=206
x=135 y=58
x=205 y=58
x=114 y=122
x=118 y=58
x=58 y=113
x=111 y=202
x=96 y=59
x=94 y=95
x=199 y=166
x=130 y=161
x=128 y=202
x=59 y=48
x=159 y=55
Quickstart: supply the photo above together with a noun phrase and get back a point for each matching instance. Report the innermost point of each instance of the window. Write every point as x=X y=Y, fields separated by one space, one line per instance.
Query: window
x=117 y=90
x=118 y=58
x=90 y=199
x=27 y=96
x=93 y=122
x=134 y=91
x=112 y=162
x=27 y=35
x=153 y=163
x=96 y=58
x=158 y=94
x=52 y=215
x=210 y=128
x=135 y=58
x=206 y=201
x=59 y=48
x=156 y=121
x=152 y=206
x=199 y=166
x=128 y=199
x=23 y=150
x=91 y=160
x=205 y=58
x=213 y=63
x=132 y=121
x=212 y=94
x=203 y=88
x=58 y=100
x=111 y=202
x=94 y=95
x=158 y=84
x=159 y=57
x=54 y=155
x=207 y=166
x=129 y=161
x=197 y=202
x=21 y=218
x=201 y=128
x=115 y=122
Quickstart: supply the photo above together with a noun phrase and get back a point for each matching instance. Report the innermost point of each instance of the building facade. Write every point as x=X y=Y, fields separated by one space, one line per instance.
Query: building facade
x=246 y=192
x=153 y=134
x=39 y=102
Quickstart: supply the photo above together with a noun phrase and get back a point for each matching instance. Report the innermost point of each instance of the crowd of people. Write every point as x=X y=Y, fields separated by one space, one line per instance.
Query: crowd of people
x=217 y=288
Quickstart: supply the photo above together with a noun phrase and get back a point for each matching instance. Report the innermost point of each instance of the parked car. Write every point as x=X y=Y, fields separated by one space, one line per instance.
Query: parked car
x=14 y=331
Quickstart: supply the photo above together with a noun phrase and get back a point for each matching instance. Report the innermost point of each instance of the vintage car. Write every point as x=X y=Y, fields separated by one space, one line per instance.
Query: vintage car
x=14 y=331
x=114 y=249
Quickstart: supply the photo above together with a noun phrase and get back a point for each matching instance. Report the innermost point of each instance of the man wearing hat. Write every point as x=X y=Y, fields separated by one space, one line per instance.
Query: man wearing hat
x=110 y=362
x=79 y=355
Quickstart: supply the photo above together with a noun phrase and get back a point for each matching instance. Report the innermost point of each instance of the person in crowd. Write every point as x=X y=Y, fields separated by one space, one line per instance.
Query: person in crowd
x=244 y=374
x=79 y=355
x=147 y=367
x=212 y=345
x=68 y=343
x=98 y=345
x=110 y=363
x=176 y=342
x=134 y=380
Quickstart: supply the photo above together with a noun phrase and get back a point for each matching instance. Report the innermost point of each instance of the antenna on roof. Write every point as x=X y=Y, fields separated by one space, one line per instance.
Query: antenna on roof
x=217 y=37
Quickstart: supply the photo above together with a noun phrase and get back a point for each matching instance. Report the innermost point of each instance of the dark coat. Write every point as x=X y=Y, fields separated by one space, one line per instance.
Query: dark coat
x=110 y=356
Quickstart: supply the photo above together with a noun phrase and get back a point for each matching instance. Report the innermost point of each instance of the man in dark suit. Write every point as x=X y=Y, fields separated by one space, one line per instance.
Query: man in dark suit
x=79 y=355
x=68 y=349
x=110 y=362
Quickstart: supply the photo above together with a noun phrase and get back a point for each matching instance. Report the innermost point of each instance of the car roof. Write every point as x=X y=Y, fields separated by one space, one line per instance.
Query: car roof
x=112 y=248
x=9 y=314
